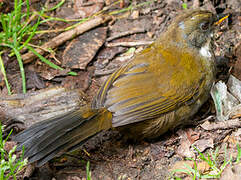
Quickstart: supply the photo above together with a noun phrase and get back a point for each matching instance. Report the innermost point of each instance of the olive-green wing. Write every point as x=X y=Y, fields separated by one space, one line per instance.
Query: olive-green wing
x=147 y=88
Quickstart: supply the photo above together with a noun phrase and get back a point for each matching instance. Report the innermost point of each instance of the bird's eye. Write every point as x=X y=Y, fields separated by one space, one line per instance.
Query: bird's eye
x=204 y=26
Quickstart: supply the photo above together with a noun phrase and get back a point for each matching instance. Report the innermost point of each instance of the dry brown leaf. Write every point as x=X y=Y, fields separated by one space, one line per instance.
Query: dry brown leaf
x=83 y=48
x=192 y=135
x=184 y=149
x=204 y=144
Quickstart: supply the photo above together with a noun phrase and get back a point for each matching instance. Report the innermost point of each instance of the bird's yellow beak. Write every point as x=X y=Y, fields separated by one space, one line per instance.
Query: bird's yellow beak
x=221 y=20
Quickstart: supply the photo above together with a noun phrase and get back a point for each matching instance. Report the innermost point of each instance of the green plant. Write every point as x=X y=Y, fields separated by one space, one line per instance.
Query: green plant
x=239 y=154
x=9 y=165
x=17 y=31
x=184 y=4
x=88 y=172
x=211 y=159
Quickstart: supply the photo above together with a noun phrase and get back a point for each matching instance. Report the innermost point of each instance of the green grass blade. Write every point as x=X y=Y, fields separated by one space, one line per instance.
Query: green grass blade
x=4 y=26
x=72 y=73
x=31 y=35
x=75 y=25
x=49 y=18
x=177 y=178
x=23 y=32
x=55 y=7
x=225 y=153
x=209 y=176
x=26 y=28
x=88 y=173
x=215 y=155
x=10 y=24
x=15 y=41
x=18 y=13
x=20 y=63
x=15 y=4
x=239 y=154
x=2 y=68
x=202 y=157
x=43 y=59
x=28 y=9
x=15 y=12
x=121 y=10
x=189 y=168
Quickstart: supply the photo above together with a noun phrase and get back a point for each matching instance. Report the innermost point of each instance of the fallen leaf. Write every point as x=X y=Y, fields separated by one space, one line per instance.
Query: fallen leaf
x=82 y=49
x=52 y=73
x=184 y=149
x=107 y=54
x=81 y=81
x=204 y=144
x=192 y=135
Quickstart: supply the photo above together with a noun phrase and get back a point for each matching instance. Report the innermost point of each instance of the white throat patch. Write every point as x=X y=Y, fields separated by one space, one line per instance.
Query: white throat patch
x=205 y=51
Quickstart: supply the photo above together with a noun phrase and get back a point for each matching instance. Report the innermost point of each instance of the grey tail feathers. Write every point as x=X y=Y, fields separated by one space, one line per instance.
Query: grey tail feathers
x=47 y=139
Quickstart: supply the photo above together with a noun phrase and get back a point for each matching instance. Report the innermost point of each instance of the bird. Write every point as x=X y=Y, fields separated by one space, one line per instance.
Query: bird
x=160 y=88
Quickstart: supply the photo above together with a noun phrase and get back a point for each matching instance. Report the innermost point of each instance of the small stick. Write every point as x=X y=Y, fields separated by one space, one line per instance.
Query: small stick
x=230 y=124
x=126 y=33
x=65 y=36
x=102 y=73
x=129 y=44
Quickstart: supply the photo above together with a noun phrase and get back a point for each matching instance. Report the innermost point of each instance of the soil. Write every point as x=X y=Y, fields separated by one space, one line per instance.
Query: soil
x=111 y=156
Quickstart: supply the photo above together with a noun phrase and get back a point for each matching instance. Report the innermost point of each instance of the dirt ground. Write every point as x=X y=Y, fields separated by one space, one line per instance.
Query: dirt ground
x=96 y=54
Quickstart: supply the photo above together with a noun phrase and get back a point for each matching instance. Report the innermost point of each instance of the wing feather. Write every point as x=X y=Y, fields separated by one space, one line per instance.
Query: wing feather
x=139 y=91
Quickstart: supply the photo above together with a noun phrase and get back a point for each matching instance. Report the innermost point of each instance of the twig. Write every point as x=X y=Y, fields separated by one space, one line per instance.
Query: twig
x=65 y=36
x=102 y=73
x=129 y=44
x=126 y=33
x=87 y=4
x=52 y=53
x=230 y=124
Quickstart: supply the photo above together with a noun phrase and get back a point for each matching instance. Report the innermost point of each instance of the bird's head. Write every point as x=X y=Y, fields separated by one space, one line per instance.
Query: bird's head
x=193 y=28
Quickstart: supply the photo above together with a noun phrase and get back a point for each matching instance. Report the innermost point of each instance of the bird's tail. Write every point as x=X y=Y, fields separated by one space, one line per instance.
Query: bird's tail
x=47 y=139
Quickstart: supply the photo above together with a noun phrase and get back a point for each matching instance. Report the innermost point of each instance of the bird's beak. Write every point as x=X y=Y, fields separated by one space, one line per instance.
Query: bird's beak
x=220 y=19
